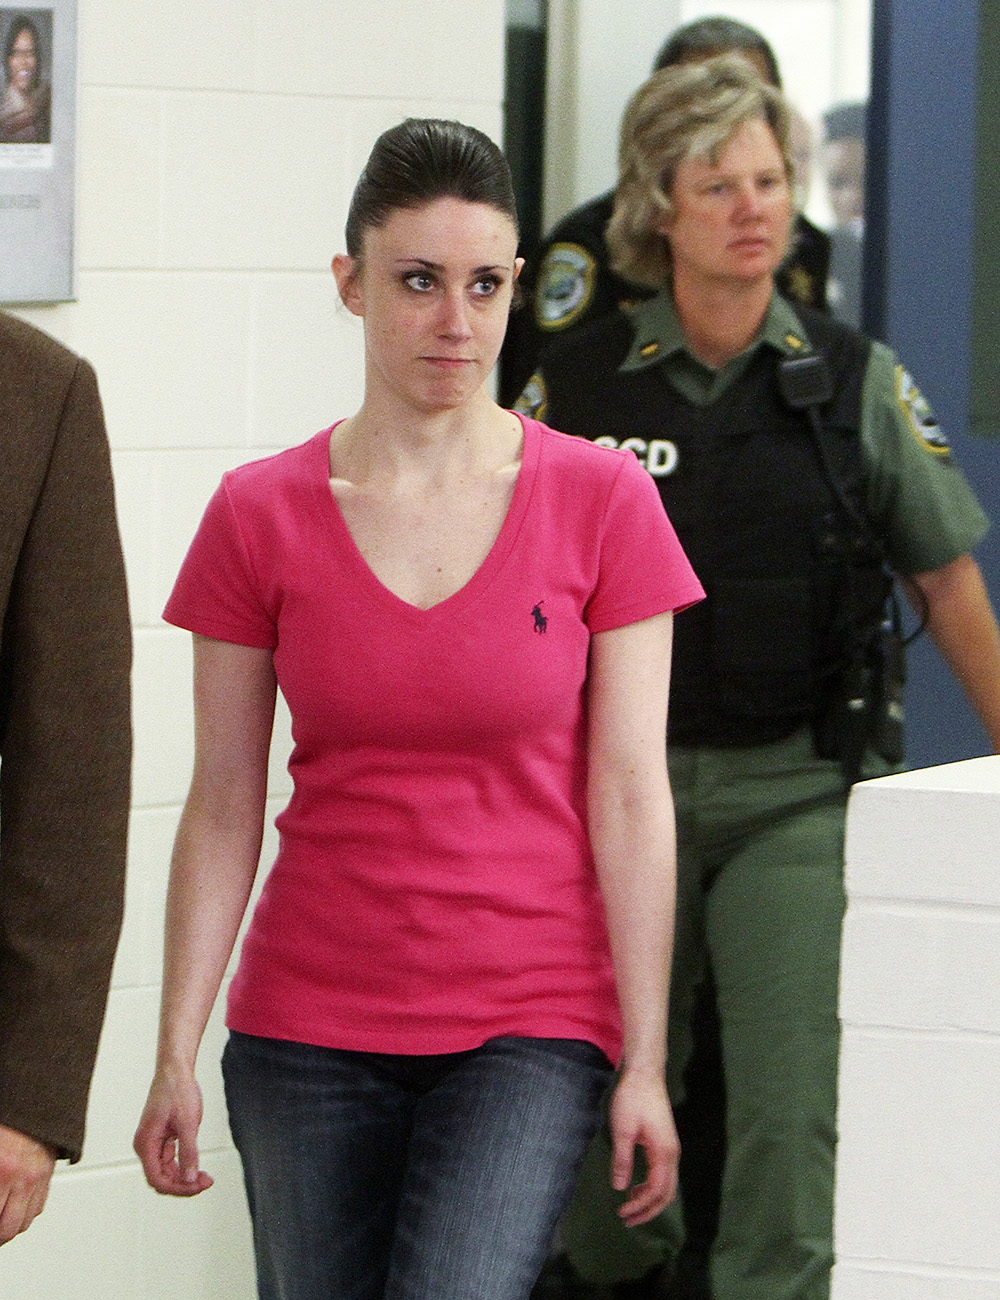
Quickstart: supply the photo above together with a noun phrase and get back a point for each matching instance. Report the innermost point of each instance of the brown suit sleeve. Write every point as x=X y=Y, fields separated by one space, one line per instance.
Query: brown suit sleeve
x=65 y=740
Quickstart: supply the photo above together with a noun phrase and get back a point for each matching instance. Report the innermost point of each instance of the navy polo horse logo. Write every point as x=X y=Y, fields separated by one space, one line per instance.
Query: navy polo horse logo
x=541 y=622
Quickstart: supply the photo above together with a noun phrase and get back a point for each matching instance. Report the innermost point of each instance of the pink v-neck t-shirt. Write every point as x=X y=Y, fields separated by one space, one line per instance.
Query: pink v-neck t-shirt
x=434 y=885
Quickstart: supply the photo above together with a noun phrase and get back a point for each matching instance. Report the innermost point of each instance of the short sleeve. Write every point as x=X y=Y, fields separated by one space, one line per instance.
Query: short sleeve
x=643 y=569
x=217 y=592
x=925 y=510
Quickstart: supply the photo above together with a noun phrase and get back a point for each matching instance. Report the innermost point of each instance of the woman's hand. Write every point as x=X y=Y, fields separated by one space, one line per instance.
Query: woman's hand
x=641 y=1117
x=166 y=1140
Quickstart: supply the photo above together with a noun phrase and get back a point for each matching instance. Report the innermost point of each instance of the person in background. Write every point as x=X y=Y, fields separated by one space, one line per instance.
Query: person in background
x=571 y=281
x=469 y=918
x=801 y=467
x=843 y=165
x=65 y=746
x=26 y=106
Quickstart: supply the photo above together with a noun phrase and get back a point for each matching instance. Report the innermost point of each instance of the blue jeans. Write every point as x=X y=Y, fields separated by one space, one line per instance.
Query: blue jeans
x=378 y=1177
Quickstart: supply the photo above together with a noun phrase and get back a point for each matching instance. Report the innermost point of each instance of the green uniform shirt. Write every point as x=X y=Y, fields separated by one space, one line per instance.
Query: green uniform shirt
x=920 y=501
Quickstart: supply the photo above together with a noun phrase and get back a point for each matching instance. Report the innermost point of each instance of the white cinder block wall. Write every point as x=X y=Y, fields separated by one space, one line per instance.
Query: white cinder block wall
x=218 y=147
x=918 y=1190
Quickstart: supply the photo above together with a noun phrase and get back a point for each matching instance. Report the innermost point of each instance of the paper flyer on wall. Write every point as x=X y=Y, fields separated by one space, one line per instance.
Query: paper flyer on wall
x=37 y=152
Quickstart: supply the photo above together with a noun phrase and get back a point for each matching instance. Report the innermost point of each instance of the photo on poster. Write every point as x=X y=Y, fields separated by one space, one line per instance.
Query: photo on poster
x=26 y=99
x=38 y=58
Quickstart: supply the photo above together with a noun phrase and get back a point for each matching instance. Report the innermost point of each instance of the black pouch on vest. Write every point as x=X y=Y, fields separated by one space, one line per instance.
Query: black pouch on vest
x=865 y=707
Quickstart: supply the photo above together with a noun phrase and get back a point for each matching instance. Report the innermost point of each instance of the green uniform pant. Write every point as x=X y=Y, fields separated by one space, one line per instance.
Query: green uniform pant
x=761 y=898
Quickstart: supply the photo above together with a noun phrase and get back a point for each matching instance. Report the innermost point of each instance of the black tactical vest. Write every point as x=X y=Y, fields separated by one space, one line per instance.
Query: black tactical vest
x=791 y=581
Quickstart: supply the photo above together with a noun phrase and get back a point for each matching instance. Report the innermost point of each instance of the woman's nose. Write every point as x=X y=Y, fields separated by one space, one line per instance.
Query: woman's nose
x=454 y=320
x=748 y=201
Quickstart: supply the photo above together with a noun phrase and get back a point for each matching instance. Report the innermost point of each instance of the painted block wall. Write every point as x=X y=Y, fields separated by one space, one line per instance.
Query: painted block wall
x=918 y=1196
x=218 y=150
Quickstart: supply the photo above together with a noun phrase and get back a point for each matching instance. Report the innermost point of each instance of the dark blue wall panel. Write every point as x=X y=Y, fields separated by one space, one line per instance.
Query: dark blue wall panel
x=918 y=275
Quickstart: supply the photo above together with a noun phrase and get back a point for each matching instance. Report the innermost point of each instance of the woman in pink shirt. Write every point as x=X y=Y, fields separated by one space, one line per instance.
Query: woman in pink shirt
x=468 y=922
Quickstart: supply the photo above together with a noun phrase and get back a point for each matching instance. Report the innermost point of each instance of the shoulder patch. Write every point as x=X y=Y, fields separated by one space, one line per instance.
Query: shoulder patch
x=801 y=286
x=918 y=414
x=534 y=400
x=565 y=286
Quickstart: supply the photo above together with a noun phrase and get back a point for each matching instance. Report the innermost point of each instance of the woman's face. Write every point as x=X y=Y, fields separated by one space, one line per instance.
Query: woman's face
x=731 y=218
x=434 y=286
x=22 y=62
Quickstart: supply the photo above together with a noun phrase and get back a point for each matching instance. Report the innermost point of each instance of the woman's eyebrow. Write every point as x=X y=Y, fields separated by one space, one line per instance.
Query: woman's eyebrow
x=436 y=266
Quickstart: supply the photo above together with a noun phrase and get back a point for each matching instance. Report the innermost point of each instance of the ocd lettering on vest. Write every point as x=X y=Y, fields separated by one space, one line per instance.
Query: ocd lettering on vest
x=658 y=455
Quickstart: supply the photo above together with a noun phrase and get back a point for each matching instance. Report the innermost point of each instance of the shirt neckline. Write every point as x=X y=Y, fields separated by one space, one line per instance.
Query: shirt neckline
x=657 y=333
x=658 y=340
x=487 y=571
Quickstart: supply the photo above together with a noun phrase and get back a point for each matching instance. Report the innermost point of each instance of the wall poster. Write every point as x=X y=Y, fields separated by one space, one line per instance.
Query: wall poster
x=37 y=152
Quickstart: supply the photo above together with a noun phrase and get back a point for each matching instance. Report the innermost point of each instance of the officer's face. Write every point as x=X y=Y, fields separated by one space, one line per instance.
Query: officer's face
x=732 y=217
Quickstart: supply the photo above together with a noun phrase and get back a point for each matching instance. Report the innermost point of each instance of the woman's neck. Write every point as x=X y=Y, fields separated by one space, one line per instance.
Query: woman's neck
x=386 y=442
x=721 y=319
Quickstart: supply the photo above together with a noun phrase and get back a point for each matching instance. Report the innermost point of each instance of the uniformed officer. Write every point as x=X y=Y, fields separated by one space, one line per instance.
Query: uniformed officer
x=568 y=284
x=570 y=280
x=797 y=460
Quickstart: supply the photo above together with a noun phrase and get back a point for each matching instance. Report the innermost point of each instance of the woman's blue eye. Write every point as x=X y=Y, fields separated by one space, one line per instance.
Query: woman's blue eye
x=419 y=280
x=487 y=286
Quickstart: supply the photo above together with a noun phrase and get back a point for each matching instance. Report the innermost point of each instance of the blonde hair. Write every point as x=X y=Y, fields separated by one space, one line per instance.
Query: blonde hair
x=684 y=111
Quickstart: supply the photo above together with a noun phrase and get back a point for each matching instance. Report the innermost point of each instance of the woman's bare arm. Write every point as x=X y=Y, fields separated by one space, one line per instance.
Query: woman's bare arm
x=212 y=872
x=632 y=832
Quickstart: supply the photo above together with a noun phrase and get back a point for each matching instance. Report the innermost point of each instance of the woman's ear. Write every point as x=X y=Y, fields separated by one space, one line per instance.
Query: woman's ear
x=345 y=272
